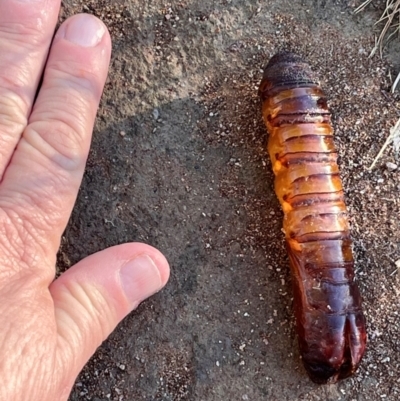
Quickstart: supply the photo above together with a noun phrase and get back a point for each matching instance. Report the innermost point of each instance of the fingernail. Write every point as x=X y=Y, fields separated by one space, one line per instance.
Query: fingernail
x=83 y=30
x=140 y=279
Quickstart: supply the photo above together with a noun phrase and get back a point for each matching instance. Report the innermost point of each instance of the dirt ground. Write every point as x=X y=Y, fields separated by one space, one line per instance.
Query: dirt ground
x=179 y=161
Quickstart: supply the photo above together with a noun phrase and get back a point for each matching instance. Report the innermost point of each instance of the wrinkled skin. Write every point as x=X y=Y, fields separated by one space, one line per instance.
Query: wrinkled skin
x=49 y=329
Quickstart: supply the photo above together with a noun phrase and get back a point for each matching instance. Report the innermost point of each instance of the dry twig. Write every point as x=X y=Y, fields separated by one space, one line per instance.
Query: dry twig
x=391 y=17
x=394 y=137
x=392 y=10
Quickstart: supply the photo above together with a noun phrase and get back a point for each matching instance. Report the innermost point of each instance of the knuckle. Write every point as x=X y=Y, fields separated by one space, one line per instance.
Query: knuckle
x=88 y=308
x=58 y=141
x=13 y=113
x=15 y=34
x=77 y=75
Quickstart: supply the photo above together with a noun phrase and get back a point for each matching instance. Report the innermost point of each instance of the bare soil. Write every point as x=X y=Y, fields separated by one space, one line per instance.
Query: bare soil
x=179 y=161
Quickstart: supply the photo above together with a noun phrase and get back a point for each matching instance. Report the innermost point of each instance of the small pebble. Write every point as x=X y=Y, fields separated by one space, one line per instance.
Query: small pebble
x=391 y=166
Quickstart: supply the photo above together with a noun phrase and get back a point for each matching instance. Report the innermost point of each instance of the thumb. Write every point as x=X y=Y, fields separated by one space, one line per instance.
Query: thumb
x=93 y=296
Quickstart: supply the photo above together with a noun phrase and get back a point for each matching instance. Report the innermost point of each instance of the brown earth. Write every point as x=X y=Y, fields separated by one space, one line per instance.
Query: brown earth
x=179 y=161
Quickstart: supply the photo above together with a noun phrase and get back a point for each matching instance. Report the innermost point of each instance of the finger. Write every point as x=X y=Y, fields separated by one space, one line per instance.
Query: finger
x=26 y=30
x=92 y=297
x=41 y=183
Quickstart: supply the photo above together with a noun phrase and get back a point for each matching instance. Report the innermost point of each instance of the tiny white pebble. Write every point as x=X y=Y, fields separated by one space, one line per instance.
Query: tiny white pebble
x=391 y=166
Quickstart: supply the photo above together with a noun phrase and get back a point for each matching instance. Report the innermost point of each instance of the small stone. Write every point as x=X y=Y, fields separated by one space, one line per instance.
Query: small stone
x=391 y=166
x=156 y=114
x=122 y=133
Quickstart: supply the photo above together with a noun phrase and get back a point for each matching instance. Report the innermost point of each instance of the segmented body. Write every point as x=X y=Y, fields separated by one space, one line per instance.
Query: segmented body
x=329 y=318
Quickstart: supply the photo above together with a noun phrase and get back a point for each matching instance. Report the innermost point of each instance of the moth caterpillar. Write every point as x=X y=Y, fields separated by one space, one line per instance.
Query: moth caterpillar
x=329 y=319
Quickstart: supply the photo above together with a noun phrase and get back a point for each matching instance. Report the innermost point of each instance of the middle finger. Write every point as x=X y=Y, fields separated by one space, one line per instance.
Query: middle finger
x=26 y=30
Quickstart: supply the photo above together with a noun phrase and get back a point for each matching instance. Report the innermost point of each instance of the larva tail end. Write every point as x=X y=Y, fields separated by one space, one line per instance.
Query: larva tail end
x=318 y=372
x=323 y=373
x=323 y=369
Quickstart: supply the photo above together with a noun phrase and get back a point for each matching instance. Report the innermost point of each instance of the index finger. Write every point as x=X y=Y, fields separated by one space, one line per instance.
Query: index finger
x=41 y=183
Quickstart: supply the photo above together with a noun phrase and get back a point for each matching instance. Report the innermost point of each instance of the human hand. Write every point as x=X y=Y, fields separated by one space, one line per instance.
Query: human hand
x=49 y=329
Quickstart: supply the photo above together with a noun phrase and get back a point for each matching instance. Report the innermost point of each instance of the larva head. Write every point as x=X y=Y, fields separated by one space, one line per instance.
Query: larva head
x=286 y=70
